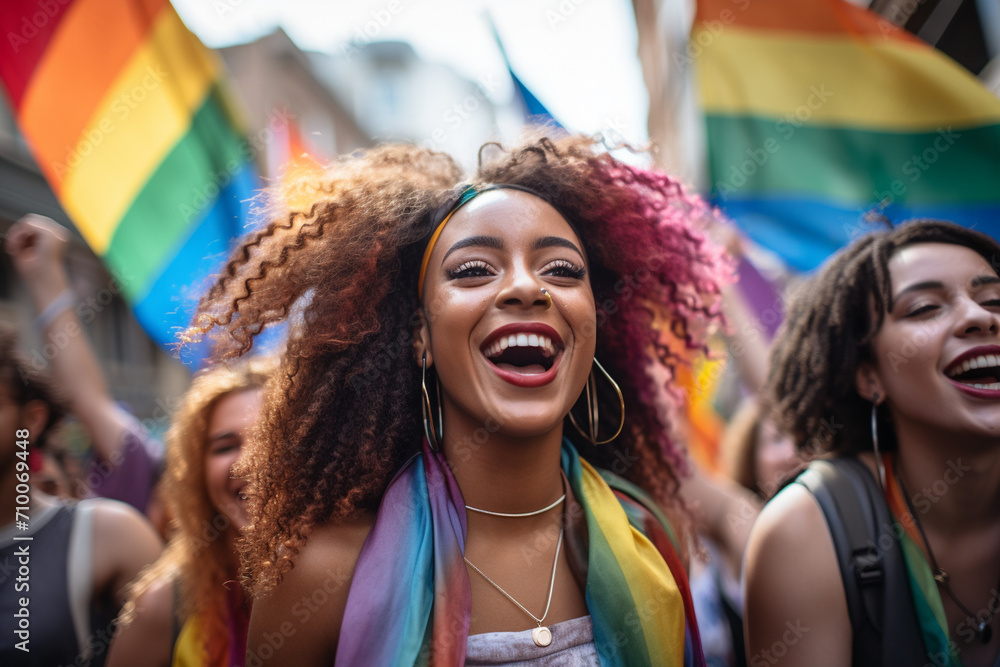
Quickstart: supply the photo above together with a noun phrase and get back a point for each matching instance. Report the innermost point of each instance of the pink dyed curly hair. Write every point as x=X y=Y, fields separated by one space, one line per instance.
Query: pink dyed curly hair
x=344 y=412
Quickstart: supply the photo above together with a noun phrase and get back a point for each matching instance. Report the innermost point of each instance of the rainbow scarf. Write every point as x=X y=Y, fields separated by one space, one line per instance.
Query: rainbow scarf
x=124 y=111
x=191 y=647
x=926 y=596
x=411 y=587
x=817 y=111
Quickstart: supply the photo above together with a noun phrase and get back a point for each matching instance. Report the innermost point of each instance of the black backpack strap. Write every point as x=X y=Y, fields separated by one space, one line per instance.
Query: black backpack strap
x=851 y=528
x=876 y=581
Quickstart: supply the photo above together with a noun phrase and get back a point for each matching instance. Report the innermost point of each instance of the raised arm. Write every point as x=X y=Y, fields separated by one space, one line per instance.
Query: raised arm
x=37 y=245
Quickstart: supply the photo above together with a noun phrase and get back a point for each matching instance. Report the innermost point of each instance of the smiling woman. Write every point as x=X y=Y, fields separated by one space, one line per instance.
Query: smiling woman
x=192 y=584
x=486 y=317
x=890 y=357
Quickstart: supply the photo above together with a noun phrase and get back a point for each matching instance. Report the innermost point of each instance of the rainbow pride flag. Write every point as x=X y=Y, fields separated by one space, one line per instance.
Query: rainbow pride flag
x=123 y=109
x=819 y=111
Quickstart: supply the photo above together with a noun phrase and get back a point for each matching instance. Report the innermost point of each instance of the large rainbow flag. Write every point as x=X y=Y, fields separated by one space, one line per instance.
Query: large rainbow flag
x=818 y=111
x=123 y=110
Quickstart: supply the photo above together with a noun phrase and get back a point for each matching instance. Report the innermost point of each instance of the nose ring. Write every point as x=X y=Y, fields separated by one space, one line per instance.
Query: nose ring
x=548 y=298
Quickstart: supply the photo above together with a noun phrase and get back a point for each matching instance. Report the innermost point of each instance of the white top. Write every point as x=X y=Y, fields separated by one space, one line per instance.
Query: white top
x=572 y=646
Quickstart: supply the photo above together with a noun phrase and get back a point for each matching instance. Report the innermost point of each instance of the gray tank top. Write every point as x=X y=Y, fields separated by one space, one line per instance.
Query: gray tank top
x=60 y=589
x=572 y=646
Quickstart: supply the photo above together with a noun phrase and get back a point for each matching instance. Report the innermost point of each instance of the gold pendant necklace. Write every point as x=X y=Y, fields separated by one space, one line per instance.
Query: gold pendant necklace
x=541 y=635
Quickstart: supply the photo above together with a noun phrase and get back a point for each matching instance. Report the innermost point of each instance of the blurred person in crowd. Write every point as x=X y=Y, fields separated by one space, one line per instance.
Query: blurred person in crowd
x=890 y=357
x=126 y=460
x=188 y=608
x=62 y=587
x=756 y=454
x=724 y=513
x=419 y=490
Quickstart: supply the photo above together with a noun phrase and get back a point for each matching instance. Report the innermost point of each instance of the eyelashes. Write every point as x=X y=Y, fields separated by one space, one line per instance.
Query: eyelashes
x=477 y=268
x=472 y=269
x=916 y=312
x=562 y=268
x=927 y=308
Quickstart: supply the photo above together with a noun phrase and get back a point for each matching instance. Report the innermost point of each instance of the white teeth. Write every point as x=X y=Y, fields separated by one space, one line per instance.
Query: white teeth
x=982 y=361
x=522 y=340
x=993 y=385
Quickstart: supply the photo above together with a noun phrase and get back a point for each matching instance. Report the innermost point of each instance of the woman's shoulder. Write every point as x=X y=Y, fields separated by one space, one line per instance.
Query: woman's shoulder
x=310 y=598
x=793 y=582
x=335 y=543
x=328 y=556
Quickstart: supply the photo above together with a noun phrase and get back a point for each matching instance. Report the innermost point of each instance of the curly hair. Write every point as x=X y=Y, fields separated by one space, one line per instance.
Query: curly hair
x=828 y=332
x=197 y=556
x=344 y=413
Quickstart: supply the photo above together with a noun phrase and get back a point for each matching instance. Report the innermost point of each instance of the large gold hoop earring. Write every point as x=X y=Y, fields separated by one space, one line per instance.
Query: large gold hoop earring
x=433 y=433
x=593 y=415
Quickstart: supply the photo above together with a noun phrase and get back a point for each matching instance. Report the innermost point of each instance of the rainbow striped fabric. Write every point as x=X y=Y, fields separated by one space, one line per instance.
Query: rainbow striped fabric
x=819 y=111
x=411 y=587
x=926 y=597
x=123 y=110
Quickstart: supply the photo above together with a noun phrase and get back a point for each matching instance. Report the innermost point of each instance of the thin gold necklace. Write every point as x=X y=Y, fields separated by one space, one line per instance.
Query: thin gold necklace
x=541 y=635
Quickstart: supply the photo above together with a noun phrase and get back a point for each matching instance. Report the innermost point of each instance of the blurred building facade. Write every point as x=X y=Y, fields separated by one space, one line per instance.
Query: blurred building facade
x=397 y=96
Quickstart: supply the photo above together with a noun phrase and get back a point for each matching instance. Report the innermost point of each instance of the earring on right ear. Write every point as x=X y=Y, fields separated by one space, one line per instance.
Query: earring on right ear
x=433 y=433
x=878 y=454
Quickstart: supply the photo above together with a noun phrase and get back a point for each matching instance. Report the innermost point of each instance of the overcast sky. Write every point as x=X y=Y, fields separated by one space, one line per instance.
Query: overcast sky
x=577 y=56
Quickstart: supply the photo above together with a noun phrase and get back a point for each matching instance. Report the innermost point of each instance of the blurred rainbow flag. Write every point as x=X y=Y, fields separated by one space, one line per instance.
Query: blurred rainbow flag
x=124 y=111
x=535 y=112
x=819 y=111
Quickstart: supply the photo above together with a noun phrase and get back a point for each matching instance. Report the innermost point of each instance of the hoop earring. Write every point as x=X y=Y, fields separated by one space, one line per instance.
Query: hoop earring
x=592 y=409
x=434 y=434
x=878 y=454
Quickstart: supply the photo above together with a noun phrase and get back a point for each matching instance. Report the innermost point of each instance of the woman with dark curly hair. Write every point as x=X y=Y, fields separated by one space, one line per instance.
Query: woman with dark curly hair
x=889 y=360
x=472 y=317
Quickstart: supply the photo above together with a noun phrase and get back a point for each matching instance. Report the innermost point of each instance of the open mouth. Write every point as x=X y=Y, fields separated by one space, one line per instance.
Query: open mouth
x=981 y=372
x=529 y=354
